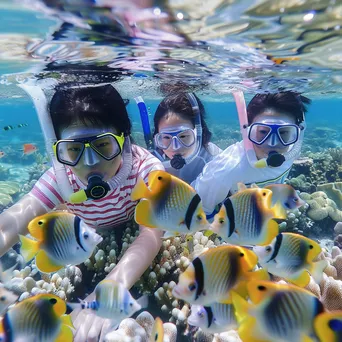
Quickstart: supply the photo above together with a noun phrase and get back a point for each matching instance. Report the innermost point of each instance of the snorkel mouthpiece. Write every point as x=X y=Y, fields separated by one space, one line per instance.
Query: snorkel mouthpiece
x=96 y=189
x=274 y=159
x=177 y=162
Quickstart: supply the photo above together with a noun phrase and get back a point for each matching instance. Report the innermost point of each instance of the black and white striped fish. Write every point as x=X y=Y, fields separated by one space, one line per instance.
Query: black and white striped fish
x=214 y=318
x=39 y=318
x=62 y=239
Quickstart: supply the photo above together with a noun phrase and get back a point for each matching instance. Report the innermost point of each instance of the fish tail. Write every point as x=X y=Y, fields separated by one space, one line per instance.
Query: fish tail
x=140 y=190
x=29 y=248
x=241 y=307
x=317 y=270
x=143 y=301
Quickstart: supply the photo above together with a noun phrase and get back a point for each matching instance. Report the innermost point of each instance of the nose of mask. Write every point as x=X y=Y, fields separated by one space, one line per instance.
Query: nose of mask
x=175 y=145
x=90 y=157
x=273 y=140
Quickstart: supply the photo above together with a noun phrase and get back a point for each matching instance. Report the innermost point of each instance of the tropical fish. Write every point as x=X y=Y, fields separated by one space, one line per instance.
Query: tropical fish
x=22 y=125
x=213 y=274
x=63 y=239
x=29 y=149
x=246 y=218
x=214 y=318
x=285 y=195
x=328 y=326
x=113 y=301
x=291 y=256
x=39 y=318
x=169 y=204
x=2 y=154
x=157 y=334
x=8 y=128
x=7 y=298
x=278 y=312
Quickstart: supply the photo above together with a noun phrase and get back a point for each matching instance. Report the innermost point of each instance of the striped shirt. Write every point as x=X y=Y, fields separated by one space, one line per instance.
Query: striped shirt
x=114 y=209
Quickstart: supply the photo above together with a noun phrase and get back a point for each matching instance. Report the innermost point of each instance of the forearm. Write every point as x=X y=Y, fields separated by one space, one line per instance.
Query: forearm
x=14 y=221
x=138 y=257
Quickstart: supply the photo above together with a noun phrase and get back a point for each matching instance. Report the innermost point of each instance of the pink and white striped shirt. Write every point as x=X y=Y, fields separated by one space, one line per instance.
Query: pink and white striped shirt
x=114 y=209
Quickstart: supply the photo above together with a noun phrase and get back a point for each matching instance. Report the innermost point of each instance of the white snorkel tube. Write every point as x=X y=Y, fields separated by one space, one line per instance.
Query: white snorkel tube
x=177 y=162
x=41 y=104
x=274 y=159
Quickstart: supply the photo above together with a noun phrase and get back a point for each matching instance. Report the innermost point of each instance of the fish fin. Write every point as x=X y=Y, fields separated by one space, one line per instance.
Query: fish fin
x=241 y=187
x=272 y=231
x=140 y=190
x=29 y=248
x=260 y=274
x=254 y=186
x=317 y=270
x=169 y=235
x=143 y=301
x=45 y=264
x=208 y=233
x=65 y=335
x=143 y=214
x=305 y=338
x=302 y=280
x=66 y=320
x=241 y=306
x=279 y=211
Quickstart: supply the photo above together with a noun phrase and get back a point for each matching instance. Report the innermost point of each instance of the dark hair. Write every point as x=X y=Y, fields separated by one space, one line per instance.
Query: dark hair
x=289 y=102
x=180 y=105
x=100 y=105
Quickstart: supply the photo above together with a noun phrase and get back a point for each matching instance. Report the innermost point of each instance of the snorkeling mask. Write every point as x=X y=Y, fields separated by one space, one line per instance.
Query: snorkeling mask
x=275 y=135
x=69 y=151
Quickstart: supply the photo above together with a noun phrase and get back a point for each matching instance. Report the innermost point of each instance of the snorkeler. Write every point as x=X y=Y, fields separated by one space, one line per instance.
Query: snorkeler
x=95 y=169
x=273 y=130
x=181 y=136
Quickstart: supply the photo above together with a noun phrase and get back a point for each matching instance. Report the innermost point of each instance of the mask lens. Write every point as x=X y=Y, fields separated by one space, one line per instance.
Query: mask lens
x=163 y=140
x=288 y=134
x=187 y=137
x=259 y=133
x=106 y=146
x=69 y=152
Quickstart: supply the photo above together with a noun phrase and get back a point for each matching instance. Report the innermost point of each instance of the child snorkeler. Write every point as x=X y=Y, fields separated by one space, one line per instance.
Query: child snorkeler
x=182 y=137
x=101 y=167
x=273 y=130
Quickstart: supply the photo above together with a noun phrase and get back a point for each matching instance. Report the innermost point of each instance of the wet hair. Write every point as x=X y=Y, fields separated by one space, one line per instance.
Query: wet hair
x=180 y=105
x=289 y=102
x=102 y=106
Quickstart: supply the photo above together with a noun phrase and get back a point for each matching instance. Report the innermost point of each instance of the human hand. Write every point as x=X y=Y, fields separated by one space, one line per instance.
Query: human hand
x=88 y=326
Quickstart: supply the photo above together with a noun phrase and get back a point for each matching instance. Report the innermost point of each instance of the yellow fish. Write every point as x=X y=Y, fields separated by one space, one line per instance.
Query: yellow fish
x=63 y=239
x=291 y=256
x=157 y=334
x=246 y=218
x=285 y=195
x=278 y=312
x=39 y=318
x=328 y=326
x=168 y=204
x=212 y=275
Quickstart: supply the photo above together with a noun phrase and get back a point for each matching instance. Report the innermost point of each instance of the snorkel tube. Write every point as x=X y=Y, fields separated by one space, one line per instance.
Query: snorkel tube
x=177 y=162
x=96 y=187
x=274 y=158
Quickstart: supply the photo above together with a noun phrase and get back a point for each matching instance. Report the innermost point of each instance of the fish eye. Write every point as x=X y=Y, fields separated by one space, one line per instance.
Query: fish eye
x=242 y=255
x=130 y=304
x=2 y=298
x=86 y=235
x=295 y=199
x=192 y=287
x=160 y=178
x=199 y=217
x=264 y=193
x=200 y=313
x=268 y=249
x=40 y=222
x=261 y=288
x=53 y=301
x=311 y=247
x=221 y=220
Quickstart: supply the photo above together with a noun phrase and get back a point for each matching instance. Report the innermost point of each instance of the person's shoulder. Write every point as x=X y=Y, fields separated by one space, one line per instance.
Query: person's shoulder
x=213 y=149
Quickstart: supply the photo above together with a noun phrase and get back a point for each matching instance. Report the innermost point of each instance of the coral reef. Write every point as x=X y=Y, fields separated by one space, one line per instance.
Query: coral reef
x=29 y=281
x=229 y=336
x=8 y=193
x=4 y=173
x=140 y=329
